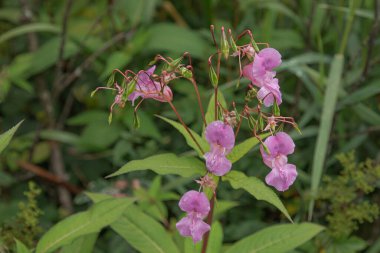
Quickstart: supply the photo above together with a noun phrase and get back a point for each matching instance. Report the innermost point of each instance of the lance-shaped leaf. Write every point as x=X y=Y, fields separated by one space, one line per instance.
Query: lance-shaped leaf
x=243 y=148
x=165 y=164
x=279 y=238
x=193 y=144
x=140 y=230
x=256 y=188
x=6 y=137
x=97 y=217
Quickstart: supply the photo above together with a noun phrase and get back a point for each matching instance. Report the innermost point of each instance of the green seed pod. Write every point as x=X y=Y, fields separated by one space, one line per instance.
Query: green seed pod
x=213 y=77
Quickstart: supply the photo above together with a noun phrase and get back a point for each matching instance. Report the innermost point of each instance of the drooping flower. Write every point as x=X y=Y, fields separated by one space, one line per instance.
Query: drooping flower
x=197 y=206
x=221 y=138
x=261 y=74
x=282 y=174
x=146 y=87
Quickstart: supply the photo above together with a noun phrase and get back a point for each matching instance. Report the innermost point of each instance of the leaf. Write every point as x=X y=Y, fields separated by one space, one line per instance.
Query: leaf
x=21 y=248
x=98 y=216
x=279 y=238
x=28 y=28
x=176 y=40
x=140 y=231
x=215 y=241
x=61 y=136
x=243 y=148
x=202 y=142
x=210 y=114
x=83 y=244
x=328 y=110
x=366 y=92
x=165 y=164
x=256 y=188
x=6 y=137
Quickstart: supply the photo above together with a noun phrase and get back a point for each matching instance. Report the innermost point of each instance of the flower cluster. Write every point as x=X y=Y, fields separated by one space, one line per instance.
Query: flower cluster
x=197 y=206
x=282 y=174
x=147 y=87
x=260 y=73
x=221 y=138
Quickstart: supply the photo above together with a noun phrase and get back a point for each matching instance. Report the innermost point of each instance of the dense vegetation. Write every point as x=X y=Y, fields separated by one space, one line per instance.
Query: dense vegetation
x=55 y=53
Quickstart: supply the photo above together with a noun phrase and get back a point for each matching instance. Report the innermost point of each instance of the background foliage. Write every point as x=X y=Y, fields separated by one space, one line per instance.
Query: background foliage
x=330 y=80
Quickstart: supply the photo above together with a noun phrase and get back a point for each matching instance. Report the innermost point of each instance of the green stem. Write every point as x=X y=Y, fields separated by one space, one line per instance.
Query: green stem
x=353 y=6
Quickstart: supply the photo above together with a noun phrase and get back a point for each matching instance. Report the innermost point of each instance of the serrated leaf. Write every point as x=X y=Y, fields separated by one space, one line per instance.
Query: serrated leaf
x=6 y=137
x=165 y=164
x=141 y=231
x=202 y=142
x=279 y=238
x=256 y=188
x=98 y=216
x=243 y=148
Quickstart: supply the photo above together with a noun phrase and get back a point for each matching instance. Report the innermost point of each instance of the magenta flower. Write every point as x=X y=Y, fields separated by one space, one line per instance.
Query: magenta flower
x=146 y=87
x=221 y=138
x=195 y=202
x=197 y=207
x=261 y=74
x=283 y=174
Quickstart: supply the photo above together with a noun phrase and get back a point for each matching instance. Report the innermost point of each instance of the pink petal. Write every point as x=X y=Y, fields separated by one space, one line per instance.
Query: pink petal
x=193 y=201
x=217 y=164
x=272 y=58
x=183 y=226
x=221 y=134
x=199 y=229
x=282 y=178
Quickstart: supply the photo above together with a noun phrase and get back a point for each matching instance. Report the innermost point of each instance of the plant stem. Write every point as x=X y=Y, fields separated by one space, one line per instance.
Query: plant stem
x=199 y=100
x=209 y=221
x=184 y=125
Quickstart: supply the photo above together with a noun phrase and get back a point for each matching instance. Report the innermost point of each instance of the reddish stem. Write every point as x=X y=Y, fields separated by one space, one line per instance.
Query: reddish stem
x=199 y=100
x=209 y=221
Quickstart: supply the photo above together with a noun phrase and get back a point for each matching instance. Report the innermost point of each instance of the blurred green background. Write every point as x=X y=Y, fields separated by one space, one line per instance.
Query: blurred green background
x=54 y=53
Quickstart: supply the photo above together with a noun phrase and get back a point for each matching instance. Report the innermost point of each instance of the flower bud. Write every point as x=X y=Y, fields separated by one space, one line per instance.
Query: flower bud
x=187 y=73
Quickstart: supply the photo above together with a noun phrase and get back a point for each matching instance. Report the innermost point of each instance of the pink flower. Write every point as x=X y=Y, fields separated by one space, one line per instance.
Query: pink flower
x=282 y=174
x=146 y=87
x=195 y=202
x=261 y=74
x=192 y=226
x=221 y=138
x=220 y=134
x=217 y=163
x=197 y=207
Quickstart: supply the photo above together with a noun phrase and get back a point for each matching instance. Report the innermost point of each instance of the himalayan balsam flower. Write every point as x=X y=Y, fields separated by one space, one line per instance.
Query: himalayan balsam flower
x=261 y=74
x=197 y=206
x=282 y=174
x=146 y=87
x=221 y=138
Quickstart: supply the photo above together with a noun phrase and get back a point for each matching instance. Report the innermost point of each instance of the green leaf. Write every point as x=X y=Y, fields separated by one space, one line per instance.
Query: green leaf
x=21 y=248
x=83 y=244
x=165 y=164
x=279 y=238
x=210 y=114
x=320 y=151
x=366 y=92
x=256 y=188
x=215 y=241
x=141 y=231
x=24 y=29
x=98 y=216
x=202 y=142
x=176 y=40
x=6 y=137
x=243 y=148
